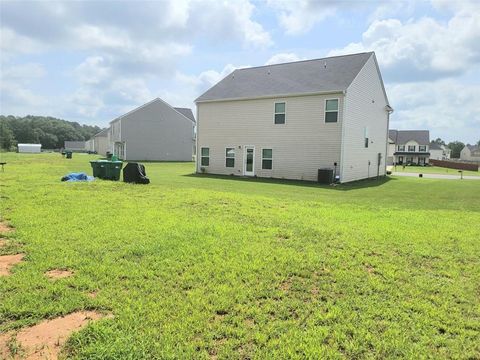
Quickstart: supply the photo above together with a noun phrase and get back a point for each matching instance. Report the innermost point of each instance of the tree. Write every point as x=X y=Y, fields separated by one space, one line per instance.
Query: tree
x=456 y=147
x=7 y=139
x=48 y=131
x=478 y=143
x=438 y=141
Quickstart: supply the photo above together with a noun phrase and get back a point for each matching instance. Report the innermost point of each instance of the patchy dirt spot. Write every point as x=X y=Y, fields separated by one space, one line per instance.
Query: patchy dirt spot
x=370 y=269
x=3 y=242
x=286 y=285
x=45 y=340
x=5 y=228
x=58 y=273
x=4 y=341
x=8 y=261
x=92 y=294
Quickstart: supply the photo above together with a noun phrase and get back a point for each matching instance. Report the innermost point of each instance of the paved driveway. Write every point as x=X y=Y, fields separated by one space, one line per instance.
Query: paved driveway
x=437 y=176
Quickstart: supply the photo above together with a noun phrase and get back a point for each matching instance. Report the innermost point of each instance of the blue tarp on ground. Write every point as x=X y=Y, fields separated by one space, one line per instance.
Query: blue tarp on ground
x=77 y=177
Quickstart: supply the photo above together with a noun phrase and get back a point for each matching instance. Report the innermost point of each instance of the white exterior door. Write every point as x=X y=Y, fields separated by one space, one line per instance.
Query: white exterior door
x=249 y=161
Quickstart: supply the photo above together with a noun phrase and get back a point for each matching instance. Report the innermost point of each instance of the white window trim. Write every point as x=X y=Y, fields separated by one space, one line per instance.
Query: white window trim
x=398 y=147
x=201 y=156
x=262 y=158
x=423 y=150
x=234 y=157
x=325 y=111
x=414 y=148
x=275 y=113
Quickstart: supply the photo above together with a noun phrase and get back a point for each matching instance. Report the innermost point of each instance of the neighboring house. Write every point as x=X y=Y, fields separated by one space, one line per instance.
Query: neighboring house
x=470 y=153
x=411 y=147
x=29 y=148
x=100 y=142
x=154 y=131
x=75 y=145
x=439 y=152
x=290 y=120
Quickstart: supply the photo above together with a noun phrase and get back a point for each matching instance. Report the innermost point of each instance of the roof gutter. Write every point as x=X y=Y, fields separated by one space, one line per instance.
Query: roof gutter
x=273 y=96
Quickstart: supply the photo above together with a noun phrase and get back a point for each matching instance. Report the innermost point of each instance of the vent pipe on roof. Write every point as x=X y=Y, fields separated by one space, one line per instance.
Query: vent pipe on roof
x=325 y=64
x=268 y=71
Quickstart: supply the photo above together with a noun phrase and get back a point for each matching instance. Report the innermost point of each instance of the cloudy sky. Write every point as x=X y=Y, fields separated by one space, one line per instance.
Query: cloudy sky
x=91 y=61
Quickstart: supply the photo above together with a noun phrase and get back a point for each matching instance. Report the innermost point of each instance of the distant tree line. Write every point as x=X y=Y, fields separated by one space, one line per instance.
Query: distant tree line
x=48 y=131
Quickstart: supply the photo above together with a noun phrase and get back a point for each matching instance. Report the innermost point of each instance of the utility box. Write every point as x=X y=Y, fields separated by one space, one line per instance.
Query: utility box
x=325 y=176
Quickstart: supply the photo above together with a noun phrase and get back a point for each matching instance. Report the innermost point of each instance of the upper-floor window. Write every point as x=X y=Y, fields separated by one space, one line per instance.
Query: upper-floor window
x=230 y=157
x=365 y=135
x=205 y=156
x=411 y=147
x=422 y=148
x=331 y=110
x=279 y=113
x=401 y=147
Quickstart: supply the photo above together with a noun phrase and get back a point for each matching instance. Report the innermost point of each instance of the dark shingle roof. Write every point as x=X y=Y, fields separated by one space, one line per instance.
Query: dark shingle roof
x=472 y=147
x=186 y=112
x=102 y=133
x=435 y=146
x=422 y=137
x=300 y=77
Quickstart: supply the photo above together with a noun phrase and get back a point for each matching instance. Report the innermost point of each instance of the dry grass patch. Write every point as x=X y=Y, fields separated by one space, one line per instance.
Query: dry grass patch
x=5 y=228
x=3 y=242
x=46 y=339
x=8 y=261
x=58 y=273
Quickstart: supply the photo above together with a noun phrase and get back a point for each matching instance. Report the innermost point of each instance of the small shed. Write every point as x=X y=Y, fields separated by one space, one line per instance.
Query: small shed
x=29 y=148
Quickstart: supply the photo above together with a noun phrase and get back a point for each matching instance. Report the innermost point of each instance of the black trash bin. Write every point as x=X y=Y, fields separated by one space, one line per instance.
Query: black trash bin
x=135 y=173
x=68 y=154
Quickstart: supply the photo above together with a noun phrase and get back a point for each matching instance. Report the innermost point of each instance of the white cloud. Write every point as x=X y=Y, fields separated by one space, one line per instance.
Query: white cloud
x=446 y=107
x=298 y=17
x=423 y=49
x=283 y=58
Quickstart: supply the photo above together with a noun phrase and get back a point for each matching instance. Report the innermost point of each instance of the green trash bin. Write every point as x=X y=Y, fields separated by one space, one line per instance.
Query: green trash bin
x=113 y=170
x=68 y=154
x=98 y=167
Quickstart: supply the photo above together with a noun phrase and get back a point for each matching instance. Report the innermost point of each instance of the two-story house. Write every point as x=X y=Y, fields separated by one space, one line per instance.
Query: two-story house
x=290 y=120
x=410 y=147
x=439 y=152
x=154 y=131
x=470 y=153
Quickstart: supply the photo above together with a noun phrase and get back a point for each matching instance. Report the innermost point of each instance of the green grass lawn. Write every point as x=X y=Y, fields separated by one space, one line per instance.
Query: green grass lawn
x=196 y=266
x=434 y=170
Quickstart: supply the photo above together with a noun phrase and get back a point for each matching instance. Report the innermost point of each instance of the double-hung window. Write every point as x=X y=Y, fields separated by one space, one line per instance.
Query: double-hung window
x=422 y=148
x=267 y=159
x=401 y=147
x=230 y=157
x=279 y=113
x=411 y=148
x=205 y=156
x=331 y=110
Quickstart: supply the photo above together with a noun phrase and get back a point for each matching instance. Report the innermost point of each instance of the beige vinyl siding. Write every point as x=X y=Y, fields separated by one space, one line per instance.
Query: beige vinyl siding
x=101 y=145
x=361 y=112
x=300 y=147
x=157 y=132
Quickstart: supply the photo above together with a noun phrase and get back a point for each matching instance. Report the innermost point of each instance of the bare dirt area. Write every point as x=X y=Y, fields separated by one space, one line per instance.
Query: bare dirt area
x=58 y=273
x=92 y=294
x=8 y=261
x=3 y=242
x=5 y=228
x=46 y=339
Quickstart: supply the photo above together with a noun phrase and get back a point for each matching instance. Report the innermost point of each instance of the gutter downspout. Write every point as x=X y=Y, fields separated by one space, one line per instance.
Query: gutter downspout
x=342 y=145
x=389 y=111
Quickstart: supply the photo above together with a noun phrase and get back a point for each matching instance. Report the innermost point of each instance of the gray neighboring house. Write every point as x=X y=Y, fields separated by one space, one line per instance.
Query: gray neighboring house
x=470 y=153
x=75 y=145
x=409 y=147
x=439 y=152
x=154 y=131
x=289 y=120
x=100 y=142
